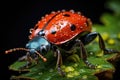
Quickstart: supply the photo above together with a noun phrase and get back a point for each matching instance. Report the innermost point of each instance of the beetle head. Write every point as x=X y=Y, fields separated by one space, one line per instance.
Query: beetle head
x=39 y=44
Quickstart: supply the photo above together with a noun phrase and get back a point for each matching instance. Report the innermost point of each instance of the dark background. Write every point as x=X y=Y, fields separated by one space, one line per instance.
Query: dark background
x=19 y=16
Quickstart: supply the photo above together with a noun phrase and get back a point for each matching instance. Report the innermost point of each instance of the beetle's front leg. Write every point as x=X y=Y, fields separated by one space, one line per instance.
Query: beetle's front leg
x=29 y=60
x=83 y=54
x=59 y=61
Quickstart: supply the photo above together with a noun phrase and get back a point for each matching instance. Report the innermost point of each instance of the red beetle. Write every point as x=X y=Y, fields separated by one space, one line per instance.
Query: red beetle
x=61 y=30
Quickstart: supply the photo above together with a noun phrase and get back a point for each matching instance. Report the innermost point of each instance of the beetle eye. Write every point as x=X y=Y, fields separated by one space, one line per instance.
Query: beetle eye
x=41 y=33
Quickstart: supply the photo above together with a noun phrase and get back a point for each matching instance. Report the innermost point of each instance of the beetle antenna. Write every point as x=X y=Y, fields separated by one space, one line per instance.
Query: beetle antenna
x=15 y=49
x=42 y=57
x=24 y=49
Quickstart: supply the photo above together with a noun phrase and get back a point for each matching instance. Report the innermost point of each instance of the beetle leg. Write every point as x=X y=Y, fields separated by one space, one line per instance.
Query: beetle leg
x=59 y=62
x=26 y=58
x=23 y=58
x=36 y=59
x=83 y=54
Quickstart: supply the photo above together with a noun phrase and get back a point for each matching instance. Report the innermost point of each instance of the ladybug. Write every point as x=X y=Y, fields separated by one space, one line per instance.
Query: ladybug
x=61 y=30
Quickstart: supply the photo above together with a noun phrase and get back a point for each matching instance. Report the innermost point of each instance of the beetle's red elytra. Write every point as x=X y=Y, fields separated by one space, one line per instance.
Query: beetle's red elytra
x=61 y=30
x=60 y=27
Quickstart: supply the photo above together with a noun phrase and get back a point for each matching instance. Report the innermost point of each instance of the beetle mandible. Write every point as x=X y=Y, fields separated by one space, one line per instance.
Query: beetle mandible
x=61 y=30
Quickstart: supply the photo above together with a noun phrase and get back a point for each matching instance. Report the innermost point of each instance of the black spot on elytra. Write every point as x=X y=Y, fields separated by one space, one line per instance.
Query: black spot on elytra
x=66 y=15
x=53 y=32
x=72 y=27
